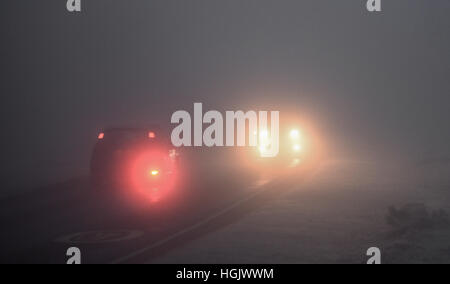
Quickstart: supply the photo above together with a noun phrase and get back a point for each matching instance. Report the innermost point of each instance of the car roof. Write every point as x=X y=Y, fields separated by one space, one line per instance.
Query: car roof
x=133 y=129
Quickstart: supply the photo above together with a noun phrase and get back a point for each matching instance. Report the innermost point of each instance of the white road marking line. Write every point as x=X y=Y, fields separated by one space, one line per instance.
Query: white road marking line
x=184 y=231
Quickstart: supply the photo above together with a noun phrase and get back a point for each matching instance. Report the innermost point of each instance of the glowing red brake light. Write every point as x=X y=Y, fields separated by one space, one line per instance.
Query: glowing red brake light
x=151 y=135
x=101 y=136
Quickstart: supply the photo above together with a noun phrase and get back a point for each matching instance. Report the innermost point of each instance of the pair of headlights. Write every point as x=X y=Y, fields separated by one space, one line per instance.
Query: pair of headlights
x=294 y=135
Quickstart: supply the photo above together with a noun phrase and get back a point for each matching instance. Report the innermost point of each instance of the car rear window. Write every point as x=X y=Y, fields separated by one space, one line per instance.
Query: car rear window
x=125 y=136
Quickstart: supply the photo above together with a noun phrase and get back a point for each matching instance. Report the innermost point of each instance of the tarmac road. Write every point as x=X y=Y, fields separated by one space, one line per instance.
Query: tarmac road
x=39 y=227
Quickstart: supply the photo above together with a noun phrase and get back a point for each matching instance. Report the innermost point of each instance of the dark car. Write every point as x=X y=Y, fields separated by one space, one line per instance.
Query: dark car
x=140 y=159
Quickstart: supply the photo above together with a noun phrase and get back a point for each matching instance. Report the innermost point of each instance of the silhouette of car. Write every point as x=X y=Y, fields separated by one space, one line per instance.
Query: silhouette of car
x=141 y=159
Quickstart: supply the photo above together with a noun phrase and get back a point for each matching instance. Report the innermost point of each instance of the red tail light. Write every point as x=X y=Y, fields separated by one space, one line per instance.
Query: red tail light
x=101 y=136
x=152 y=174
x=151 y=135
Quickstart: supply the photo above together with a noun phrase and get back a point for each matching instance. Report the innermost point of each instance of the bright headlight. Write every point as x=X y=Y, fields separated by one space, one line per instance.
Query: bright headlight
x=295 y=134
x=297 y=147
x=264 y=135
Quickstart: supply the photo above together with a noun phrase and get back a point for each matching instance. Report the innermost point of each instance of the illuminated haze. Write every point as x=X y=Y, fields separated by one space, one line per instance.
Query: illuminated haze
x=376 y=85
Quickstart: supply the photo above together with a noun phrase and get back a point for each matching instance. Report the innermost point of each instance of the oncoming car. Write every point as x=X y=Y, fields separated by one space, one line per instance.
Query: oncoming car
x=140 y=160
x=292 y=143
x=297 y=147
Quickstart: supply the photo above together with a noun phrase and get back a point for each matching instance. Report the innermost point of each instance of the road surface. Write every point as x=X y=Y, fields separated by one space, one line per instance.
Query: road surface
x=39 y=227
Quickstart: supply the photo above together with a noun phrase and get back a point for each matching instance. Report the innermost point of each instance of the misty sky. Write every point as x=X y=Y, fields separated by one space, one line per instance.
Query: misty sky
x=372 y=82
